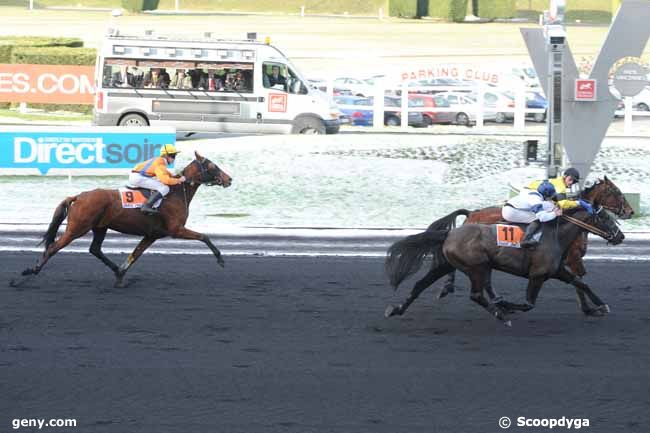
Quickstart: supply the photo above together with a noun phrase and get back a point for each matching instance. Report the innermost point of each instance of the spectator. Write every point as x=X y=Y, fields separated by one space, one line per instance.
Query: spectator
x=211 y=81
x=156 y=79
x=181 y=80
x=122 y=78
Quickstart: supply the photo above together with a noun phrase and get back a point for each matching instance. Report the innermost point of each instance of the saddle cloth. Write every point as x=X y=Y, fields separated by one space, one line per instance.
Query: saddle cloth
x=134 y=198
x=511 y=234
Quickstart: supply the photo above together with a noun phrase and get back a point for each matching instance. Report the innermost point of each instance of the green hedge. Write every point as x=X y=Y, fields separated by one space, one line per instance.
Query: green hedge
x=451 y=10
x=496 y=8
x=403 y=8
x=8 y=43
x=56 y=56
x=140 y=5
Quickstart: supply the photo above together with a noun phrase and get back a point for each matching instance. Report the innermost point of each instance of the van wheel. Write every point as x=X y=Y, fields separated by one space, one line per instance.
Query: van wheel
x=308 y=125
x=462 y=119
x=642 y=107
x=133 y=120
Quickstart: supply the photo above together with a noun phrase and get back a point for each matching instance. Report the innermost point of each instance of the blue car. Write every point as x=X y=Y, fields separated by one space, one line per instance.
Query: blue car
x=362 y=116
x=536 y=100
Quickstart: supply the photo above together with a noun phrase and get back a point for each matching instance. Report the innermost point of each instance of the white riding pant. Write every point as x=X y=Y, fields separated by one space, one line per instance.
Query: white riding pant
x=515 y=215
x=136 y=179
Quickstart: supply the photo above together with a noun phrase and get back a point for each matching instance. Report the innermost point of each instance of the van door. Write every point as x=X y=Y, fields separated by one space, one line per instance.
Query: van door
x=274 y=108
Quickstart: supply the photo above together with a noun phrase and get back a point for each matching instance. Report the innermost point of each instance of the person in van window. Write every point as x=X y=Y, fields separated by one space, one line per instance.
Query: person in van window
x=181 y=80
x=154 y=80
x=275 y=78
x=211 y=81
x=122 y=78
x=235 y=82
x=138 y=76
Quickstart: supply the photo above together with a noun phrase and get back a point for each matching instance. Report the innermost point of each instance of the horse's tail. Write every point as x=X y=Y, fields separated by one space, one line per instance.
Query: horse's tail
x=404 y=258
x=60 y=214
x=448 y=222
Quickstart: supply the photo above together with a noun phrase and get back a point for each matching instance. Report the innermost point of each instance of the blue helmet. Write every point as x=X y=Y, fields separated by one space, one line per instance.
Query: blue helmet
x=546 y=189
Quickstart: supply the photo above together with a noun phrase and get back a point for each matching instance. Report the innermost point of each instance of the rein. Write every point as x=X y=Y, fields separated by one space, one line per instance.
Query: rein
x=588 y=227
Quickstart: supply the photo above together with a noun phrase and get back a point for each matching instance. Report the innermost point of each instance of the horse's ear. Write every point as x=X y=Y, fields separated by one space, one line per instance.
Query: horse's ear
x=606 y=180
x=198 y=157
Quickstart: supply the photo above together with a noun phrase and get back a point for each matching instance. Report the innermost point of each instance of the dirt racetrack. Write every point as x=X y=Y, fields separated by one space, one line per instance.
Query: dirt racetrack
x=280 y=344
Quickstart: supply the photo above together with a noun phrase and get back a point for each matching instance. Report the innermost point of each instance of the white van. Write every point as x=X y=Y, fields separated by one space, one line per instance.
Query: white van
x=206 y=85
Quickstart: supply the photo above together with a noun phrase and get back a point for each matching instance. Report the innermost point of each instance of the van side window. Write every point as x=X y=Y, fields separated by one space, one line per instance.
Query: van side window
x=274 y=76
x=178 y=75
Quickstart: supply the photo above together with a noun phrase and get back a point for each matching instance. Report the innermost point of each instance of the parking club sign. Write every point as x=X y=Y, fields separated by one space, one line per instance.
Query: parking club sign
x=585 y=89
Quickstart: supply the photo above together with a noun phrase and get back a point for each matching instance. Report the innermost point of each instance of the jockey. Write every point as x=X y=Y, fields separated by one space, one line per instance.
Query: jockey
x=532 y=207
x=153 y=174
x=570 y=177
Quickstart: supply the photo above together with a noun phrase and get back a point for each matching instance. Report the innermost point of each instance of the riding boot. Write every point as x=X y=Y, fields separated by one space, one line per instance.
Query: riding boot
x=528 y=241
x=148 y=208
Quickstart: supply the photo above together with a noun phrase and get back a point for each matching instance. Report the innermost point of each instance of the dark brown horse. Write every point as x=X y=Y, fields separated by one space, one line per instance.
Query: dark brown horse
x=473 y=250
x=602 y=193
x=101 y=209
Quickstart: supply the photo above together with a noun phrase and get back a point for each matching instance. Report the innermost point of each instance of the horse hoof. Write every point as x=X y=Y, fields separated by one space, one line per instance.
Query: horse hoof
x=605 y=309
x=390 y=311
x=507 y=323
x=221 y=263
x=119 y=284
x=443 y=293
x=27 y=271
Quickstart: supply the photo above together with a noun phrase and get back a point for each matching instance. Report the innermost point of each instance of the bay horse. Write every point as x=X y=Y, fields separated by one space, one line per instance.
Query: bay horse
x=101 y=209
x=602 y=193
x=473 y=250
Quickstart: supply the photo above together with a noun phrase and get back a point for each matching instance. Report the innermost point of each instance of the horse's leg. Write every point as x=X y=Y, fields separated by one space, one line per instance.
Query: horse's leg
x=137 y=252
x=426 y=281
x=184 y=233
x=576 y=252
x=99 y=233
x=532 y=291
x=478 y=278
x=68 y=236
x=449 y=286
x=581 y=289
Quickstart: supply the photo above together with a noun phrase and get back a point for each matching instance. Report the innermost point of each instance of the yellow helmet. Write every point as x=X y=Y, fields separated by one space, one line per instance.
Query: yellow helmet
x=168 y=149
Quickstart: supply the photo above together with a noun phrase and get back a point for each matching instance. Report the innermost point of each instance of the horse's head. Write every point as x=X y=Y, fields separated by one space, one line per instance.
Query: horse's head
x=606 y=194
x=605 y=222
x=202 y=171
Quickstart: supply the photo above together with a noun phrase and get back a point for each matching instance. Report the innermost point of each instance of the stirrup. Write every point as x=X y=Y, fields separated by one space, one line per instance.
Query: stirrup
x=149 y=210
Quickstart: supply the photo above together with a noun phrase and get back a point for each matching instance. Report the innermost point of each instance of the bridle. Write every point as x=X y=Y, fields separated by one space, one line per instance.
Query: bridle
x=593 y=229
x=610 y=191
x=205 y=178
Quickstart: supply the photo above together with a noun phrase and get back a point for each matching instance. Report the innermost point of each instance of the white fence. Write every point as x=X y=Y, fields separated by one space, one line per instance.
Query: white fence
x=481 y=112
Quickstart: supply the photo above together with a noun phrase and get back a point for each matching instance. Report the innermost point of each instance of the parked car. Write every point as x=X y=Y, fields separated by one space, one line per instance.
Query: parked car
x=362 y=112
x=356 y=86
x=464 y=107
x=432 y=101
x=536 y=100
x=321 y=85
x=502 y=103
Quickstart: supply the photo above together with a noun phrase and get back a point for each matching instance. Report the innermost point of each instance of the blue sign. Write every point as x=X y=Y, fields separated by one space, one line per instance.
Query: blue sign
x=70 y=148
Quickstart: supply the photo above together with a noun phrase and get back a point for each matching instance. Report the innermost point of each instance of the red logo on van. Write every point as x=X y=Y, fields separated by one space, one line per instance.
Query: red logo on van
x=585 y=89
x=277 y=102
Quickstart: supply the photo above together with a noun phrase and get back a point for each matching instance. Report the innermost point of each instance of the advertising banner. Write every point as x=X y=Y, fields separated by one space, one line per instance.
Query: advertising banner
x=80 y=151
x=50 y=84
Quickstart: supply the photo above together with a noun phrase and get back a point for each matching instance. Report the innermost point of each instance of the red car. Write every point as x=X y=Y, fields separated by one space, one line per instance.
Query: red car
x=432 y=101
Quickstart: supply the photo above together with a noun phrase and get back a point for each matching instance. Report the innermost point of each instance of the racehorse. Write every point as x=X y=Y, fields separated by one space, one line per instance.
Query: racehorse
x=101 y=209
x=602 y=193
x=473 y=250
